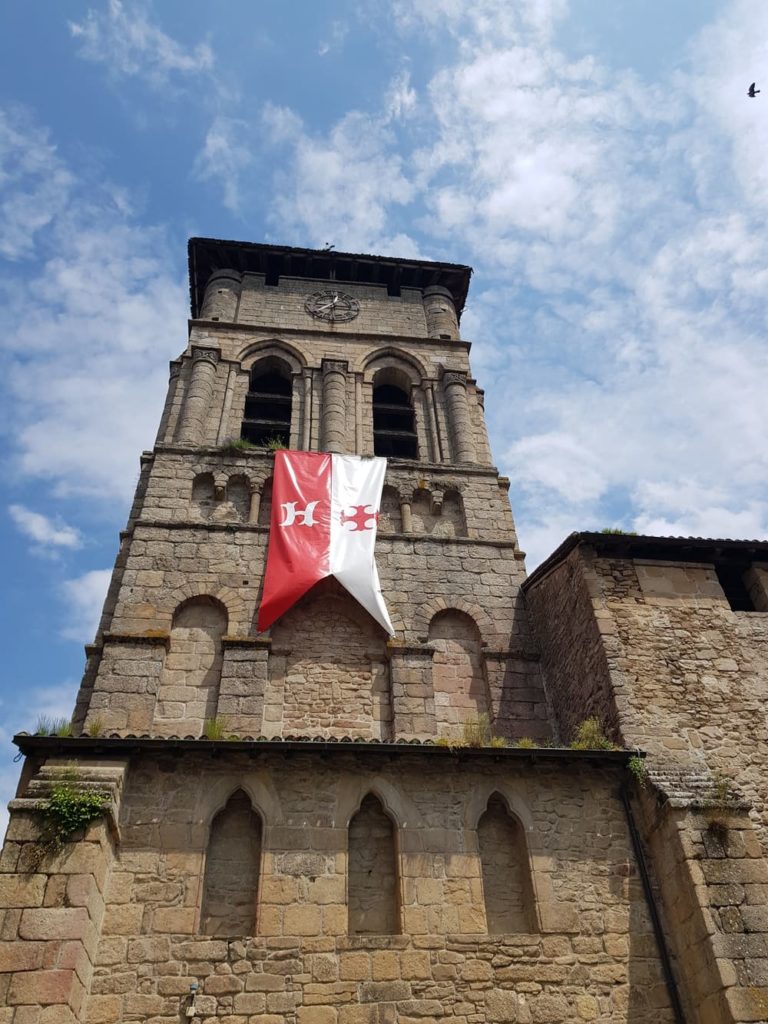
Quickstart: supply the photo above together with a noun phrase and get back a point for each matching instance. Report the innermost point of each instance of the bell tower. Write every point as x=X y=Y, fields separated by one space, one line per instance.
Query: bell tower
x=318 y=823
x=319 y=352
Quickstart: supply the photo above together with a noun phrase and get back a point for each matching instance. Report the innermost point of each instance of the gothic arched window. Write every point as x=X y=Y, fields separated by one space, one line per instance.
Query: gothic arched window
x=507 y=885
x=373 y=903
x=267 y=416
x=394 y=429
x=232 y=866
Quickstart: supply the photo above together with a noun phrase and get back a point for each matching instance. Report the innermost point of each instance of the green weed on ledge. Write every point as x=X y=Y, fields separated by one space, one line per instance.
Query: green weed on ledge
x=69 y=809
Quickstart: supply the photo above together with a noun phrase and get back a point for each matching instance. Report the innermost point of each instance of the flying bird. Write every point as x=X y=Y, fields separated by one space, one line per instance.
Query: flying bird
x=752 y=91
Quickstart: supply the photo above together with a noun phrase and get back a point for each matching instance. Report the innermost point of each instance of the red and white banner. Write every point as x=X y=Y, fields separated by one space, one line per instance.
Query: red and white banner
x=325 y=509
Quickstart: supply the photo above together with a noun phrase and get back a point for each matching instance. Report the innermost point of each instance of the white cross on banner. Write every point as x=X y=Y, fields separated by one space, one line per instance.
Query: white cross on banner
x=325 y=510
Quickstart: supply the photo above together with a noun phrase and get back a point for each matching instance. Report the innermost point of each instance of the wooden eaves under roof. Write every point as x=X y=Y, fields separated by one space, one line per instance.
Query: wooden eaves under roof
x=207 y=255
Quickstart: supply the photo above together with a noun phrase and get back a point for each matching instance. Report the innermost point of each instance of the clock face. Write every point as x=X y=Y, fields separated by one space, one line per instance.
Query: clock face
x=333 y=306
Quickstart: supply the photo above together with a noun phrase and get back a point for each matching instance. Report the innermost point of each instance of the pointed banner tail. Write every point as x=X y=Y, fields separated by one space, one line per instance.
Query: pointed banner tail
x=325 y=510
x=356 y=486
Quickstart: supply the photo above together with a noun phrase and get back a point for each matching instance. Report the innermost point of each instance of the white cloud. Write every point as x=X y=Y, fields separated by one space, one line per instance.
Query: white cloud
x=53 y=702
x=224 y=158
x=84 y=597
x=125 y=39
x=401 y=99
x=617 y=228
x=724 y=59
x=34 y=184
x=636 y=283
x=50 y=702
x=481 y=22
x=334 y=41
x=338 y=190
x=84 y=330
x=43 y=530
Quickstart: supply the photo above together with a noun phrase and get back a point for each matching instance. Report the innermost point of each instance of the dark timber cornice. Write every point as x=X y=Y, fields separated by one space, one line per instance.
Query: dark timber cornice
x=665 y=549
x=207 y=255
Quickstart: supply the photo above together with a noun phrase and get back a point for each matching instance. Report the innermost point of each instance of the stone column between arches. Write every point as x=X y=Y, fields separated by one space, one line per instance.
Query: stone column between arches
x=334 y=412
x=436 y=446
x=455 y=385
x=197 y=400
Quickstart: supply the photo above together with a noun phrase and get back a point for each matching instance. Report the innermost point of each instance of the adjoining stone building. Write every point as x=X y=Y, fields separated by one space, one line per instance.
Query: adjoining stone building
x=294 y=832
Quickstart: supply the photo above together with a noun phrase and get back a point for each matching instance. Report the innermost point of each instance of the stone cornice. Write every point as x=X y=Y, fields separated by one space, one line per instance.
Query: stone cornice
x=100 y=747
x=421 y=538
x=274 y=333
x=394 y=466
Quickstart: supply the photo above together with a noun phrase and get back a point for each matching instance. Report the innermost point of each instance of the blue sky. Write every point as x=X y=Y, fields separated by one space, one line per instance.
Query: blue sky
x=599 y=165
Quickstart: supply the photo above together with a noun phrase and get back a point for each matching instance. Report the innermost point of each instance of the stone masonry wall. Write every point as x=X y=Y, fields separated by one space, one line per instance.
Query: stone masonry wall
x=654 y=650
x=338 y=690
x=52 y=902
x=182 y=550
x=564 y=613
x=373 y=906
x=712 y=874
x=171 y=494
x=282 y=306
x=695 y=675
x=589 y=955
x=196 y=561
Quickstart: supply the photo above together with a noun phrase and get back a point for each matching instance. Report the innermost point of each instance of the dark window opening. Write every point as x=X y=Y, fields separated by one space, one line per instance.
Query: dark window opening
x=272 y=275
x=394 y=433
x=267 y=417
x=731 y=579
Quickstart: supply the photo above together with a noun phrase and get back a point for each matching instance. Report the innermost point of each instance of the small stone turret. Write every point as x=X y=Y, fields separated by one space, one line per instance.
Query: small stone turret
x=441 y=313
x=222 y=294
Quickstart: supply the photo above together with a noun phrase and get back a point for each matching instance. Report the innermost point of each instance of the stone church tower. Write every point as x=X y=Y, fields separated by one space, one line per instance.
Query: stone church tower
x=317 y=824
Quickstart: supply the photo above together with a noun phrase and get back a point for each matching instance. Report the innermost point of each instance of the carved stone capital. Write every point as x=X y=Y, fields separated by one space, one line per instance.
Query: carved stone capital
x=210 y=355
x=174 y=369
x=454 y=377
x=335 y=366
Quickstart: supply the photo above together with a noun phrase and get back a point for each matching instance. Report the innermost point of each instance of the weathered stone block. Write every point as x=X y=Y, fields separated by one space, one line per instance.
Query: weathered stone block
x=302 y=920
x=103 y=1009
x=21 y=956
x=54 y=923
x=502 y=1007
x=316 y=1015
x=41 y=987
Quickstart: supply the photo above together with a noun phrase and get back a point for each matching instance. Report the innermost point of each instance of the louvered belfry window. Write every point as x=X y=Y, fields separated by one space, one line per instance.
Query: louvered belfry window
x=268 y=405
x=394 y=432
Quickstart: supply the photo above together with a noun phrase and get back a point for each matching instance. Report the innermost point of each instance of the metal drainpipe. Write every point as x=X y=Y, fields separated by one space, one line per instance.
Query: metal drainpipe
x=661 y=942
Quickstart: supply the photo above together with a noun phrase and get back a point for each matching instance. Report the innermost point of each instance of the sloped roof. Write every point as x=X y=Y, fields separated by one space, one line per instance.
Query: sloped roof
x=673 y=549
x=207 y=255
